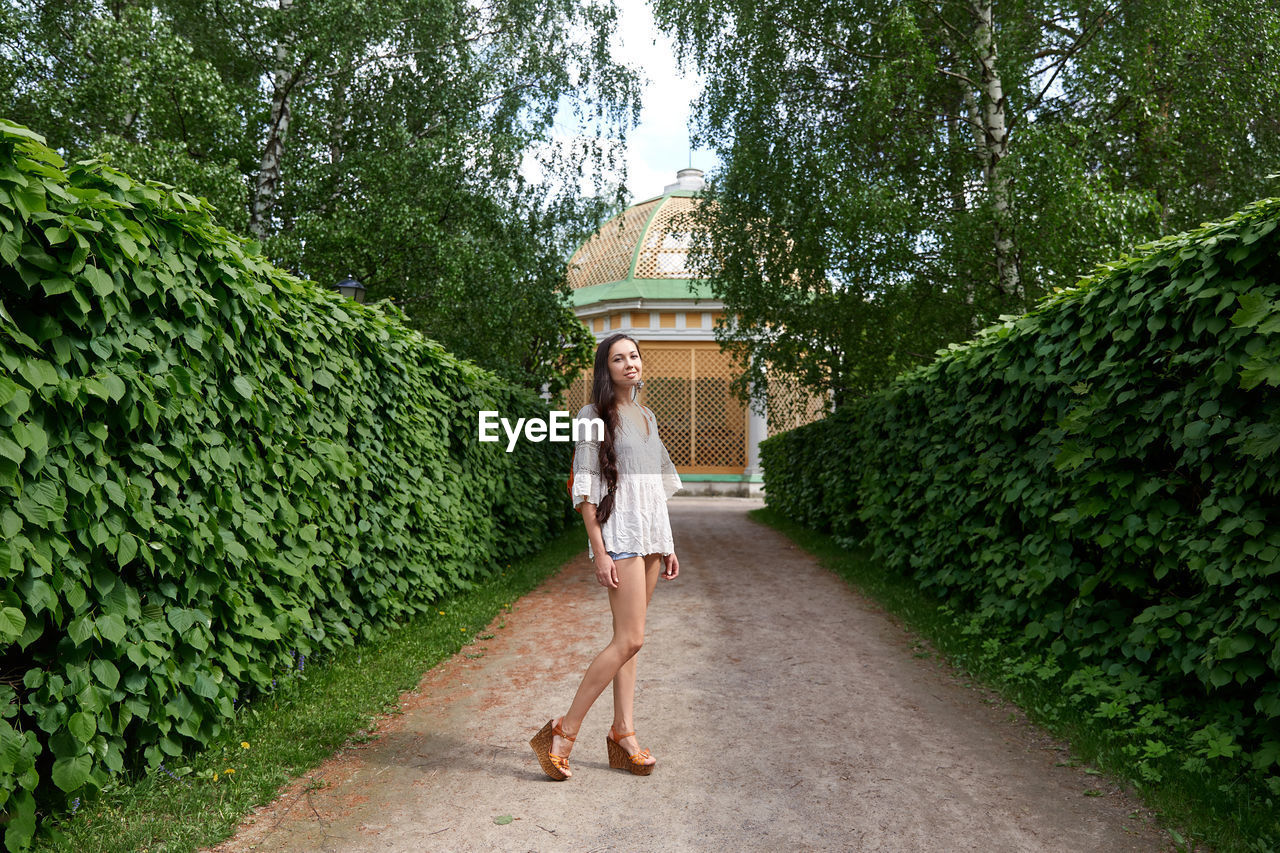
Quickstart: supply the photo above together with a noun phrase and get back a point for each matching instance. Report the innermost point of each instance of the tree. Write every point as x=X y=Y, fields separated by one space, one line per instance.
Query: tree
x=388 y=141
x=897 y=174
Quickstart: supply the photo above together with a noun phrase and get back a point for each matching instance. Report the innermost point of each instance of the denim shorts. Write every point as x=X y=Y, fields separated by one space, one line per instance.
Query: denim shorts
x=621 y=556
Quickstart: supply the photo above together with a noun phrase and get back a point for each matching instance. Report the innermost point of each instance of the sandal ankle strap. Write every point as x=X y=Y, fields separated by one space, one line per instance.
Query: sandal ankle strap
x=559 y=732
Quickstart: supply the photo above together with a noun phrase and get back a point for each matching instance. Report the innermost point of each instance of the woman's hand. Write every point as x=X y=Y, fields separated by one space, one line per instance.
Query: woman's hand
x=606 y=571
x=673 y=566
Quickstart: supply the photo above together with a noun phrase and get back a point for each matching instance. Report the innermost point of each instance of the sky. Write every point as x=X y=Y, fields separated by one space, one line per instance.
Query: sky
x=660 y=144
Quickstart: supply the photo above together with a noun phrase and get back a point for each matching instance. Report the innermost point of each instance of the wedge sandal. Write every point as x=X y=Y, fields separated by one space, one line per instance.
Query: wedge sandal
x=553 y=765
x=618 y=758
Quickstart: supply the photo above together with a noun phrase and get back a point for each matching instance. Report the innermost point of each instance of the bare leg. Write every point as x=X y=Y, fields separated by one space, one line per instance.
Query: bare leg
x=628 y=603
x=624 y=683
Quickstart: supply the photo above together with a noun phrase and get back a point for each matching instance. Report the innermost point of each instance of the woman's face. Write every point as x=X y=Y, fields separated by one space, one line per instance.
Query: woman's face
x=624 y=365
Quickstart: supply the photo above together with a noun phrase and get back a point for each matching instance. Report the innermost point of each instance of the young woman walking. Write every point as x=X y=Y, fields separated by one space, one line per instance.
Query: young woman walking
x=621 y=486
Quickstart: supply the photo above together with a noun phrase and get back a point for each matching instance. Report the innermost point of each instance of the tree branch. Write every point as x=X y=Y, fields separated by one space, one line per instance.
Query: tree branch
x=957 y=75
x=1086 y=35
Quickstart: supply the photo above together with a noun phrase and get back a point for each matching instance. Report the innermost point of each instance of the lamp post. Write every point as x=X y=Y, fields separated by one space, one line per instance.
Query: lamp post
x=351 y=289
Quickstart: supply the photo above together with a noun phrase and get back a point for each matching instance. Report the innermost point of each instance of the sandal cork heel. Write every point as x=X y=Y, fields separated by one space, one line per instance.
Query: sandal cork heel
x=618 y=758
x=553 y=765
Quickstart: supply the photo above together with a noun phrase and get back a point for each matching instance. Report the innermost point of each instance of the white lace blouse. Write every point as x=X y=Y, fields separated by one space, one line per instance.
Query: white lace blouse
x=646 y=479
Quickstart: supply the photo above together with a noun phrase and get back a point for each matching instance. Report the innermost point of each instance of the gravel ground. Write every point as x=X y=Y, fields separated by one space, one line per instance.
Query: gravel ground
x=785 y=712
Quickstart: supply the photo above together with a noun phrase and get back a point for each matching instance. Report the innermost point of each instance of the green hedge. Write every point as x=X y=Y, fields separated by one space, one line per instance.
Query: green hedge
x=208 y=469
x=1099 y=482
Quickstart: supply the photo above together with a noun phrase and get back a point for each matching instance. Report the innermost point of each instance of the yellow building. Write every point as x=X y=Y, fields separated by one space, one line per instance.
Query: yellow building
x=633 y=275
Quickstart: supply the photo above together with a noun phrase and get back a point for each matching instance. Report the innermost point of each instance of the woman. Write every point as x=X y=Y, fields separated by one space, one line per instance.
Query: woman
x=621 y=486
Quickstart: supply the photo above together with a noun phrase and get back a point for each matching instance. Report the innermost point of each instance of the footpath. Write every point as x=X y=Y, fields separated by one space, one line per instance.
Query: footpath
x=785 y=712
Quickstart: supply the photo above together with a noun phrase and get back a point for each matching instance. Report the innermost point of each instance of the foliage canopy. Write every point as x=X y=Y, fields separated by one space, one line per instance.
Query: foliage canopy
x=898 y=174
x=389 y=141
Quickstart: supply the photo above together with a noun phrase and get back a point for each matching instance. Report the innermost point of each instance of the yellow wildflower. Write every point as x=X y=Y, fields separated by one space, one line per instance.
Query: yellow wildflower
x=229 y=771
x=244 y=744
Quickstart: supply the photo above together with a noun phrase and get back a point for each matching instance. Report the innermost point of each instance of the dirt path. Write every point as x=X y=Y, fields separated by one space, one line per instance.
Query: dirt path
x=785 y=713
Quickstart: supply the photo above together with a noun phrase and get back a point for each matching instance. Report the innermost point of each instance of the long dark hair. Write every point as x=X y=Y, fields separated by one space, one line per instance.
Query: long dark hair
x=605 y=397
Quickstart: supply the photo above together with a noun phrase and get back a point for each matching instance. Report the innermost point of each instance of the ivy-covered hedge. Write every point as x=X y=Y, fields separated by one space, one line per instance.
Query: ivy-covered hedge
x=1099 y=482
x=208 y=466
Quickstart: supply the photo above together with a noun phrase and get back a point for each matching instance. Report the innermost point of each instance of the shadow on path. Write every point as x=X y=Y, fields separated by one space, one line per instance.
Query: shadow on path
x=784 y=710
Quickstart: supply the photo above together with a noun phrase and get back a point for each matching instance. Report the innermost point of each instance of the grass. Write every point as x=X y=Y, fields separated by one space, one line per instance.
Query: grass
x=1196 y=811
x=317 y=711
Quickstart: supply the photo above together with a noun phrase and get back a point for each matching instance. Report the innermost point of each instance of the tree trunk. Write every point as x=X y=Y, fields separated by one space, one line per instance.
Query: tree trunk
x=981 y=147
x=337 y=140
x=264 y=195
x=995 y=147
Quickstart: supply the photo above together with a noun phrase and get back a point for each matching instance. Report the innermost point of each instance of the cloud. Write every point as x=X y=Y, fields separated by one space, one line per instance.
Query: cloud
x=659 y=145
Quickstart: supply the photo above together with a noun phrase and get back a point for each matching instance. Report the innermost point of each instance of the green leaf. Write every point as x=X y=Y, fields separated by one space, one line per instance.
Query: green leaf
x=1262 y=440
x=10 y=523
x=11 y=743
x=39 y=373
x=41 y=504
x=8 y=388
x=1254 y=308
x=99 y=280
x=243 y=387
x=10 y=246
x=105 y=671
x=205 y=686
x=8 y=128
x=112 y=627
x=236 y=550
x=1195 y=431
x=54 y=285
x=70 y=774
x=183 y=619
x=83 y=726
x=39 y=596
x=12 y=624
x=28 y=203
x=128 y=549
x=9 y=449
x=81 y=629
x=33 y=438
x=92 y=385
x=22 y=820
x=1072 y=456
x=115 y=386
x=1257 y=372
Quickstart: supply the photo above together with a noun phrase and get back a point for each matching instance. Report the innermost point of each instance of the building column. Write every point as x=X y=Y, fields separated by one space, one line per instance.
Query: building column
x=757 y=431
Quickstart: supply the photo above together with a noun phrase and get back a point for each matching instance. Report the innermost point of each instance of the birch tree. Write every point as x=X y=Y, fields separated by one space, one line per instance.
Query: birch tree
x=389 y=141
x=917 y=168
x=284 y=77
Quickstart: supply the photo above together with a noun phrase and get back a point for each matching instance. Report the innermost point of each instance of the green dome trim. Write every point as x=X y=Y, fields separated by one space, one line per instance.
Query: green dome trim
x=642 y=288
x=644 y=232
x=624 y=247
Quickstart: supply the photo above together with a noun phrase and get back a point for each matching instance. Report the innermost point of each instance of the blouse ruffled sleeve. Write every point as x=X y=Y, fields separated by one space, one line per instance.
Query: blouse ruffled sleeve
x=588 y=484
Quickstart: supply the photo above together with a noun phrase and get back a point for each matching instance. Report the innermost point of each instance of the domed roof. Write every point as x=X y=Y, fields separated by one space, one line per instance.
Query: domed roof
x=641 y=252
